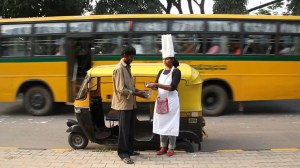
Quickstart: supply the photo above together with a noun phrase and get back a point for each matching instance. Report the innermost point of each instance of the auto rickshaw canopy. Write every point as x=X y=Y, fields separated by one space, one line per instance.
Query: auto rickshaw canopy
x=188 y=73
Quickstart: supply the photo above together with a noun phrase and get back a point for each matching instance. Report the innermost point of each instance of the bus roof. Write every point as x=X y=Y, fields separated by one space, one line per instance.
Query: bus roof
x=150 y=16
x=188 y=73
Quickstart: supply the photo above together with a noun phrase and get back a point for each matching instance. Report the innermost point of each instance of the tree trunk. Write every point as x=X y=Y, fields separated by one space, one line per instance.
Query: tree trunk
x=202 y=7
x=190 y=6
x=169 y=6
x=178 y=6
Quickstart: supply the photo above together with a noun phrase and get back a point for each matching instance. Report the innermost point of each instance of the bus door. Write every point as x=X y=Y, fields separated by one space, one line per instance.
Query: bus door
x=79 y=61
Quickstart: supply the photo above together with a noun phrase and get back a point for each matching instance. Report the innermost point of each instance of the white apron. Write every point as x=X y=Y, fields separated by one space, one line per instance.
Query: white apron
x=167 y=124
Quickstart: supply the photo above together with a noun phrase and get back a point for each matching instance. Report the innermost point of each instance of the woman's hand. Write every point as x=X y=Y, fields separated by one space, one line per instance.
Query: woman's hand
x=153 y=86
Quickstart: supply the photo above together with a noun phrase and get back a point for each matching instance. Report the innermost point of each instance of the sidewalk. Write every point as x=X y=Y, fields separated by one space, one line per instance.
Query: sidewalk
x=26 y=158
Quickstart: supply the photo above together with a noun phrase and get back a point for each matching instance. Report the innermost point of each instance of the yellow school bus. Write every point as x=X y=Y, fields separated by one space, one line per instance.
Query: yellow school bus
x=240 y=57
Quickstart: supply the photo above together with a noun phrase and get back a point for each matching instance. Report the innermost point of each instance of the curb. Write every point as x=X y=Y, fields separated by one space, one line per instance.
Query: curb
x=218 y=151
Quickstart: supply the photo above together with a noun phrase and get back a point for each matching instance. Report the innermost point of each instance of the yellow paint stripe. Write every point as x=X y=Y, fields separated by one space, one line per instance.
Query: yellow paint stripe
x=8 y=148
x=232 y=150
x=127 y=16
x=285 y=149
x=179 y=151
x=60 y=149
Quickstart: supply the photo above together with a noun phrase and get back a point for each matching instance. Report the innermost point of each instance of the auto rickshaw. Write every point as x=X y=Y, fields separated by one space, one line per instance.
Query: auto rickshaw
x=97 y=122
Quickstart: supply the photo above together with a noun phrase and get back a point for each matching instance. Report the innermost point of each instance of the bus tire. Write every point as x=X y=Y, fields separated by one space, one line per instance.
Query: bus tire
x=214 y=100
x=38 y=101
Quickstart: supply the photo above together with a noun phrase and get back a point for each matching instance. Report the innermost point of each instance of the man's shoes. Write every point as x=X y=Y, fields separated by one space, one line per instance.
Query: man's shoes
x=134 y=153
x=161 y=151
x=128 y=160
x=170 y=152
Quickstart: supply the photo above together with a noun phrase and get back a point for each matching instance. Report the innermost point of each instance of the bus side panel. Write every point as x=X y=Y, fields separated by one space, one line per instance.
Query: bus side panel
x=249 y=80
x=255 y=80
x=53 y=74
x=6 y=89
x=270 y=80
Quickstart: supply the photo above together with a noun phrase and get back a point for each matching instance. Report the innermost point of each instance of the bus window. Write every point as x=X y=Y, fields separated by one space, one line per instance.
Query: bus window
x=188 y=43
x=46 y=28
x=260 y=27
x=296 y=45
x=81 y=27
x=259 y=44
x=235 y=45
x=289 y=28
x=147 y=44
x=223 y=26
x=217 y=44
x=20 y=29
x=48 y=45
x=16 y=47
x=113 y=26
x=109 y=44
x=187 y=25
x=289 y=45
x=140 y=26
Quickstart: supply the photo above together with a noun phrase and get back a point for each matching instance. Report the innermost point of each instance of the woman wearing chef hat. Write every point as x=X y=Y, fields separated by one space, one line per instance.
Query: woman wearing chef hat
x=166 y=124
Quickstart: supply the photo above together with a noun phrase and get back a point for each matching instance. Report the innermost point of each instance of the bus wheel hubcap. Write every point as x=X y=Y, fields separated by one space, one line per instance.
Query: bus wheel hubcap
x=37 y=101
x=211 y=101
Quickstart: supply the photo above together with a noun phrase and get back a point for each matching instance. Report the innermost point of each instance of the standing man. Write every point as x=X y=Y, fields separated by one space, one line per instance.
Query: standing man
x=124 y=101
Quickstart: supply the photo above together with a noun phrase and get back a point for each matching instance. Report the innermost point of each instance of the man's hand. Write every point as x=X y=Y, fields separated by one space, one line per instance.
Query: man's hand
x=140 y=93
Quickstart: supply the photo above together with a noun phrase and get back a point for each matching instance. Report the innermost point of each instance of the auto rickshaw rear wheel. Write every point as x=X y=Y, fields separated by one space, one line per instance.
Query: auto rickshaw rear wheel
x=185 y=145
x=78 y=140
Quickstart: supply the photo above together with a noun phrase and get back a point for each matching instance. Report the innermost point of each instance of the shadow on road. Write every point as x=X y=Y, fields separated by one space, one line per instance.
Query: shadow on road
x=17 y=108
x=281 y=107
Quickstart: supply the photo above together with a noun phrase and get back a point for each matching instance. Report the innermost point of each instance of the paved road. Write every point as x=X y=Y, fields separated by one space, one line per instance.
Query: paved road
x=264 y=125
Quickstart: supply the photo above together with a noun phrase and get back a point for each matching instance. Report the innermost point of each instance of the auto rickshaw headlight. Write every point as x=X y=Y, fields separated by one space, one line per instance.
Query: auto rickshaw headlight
x=77 y=109
x=192 y=114
x=195 y=114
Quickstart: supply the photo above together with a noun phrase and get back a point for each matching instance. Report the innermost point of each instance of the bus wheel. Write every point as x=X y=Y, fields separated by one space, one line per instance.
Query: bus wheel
x=77 y=140
x=38 y=101
x=185 y=146
x=214 y=100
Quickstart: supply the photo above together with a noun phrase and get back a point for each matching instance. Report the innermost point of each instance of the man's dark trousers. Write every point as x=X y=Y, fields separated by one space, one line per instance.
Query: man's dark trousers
x=126 y=132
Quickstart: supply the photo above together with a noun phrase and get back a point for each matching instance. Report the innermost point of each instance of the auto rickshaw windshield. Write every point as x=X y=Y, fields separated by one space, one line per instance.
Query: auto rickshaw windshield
x=83 y=89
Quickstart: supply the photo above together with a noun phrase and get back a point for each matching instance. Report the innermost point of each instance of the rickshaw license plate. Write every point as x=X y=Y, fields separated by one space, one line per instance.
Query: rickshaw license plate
x=192 y=120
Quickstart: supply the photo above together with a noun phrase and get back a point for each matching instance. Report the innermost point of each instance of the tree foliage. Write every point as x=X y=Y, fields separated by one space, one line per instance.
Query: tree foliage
x=35 y=8
x=294 y=7
x=271 y=9
x=230 y=6
x=128 y=7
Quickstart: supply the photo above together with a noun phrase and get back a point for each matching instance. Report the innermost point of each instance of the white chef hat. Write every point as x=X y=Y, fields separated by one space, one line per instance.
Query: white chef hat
x=167 y=46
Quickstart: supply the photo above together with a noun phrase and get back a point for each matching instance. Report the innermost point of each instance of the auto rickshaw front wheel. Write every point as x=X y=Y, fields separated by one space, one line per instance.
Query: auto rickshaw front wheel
x=185 y=146
x=77 y=140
